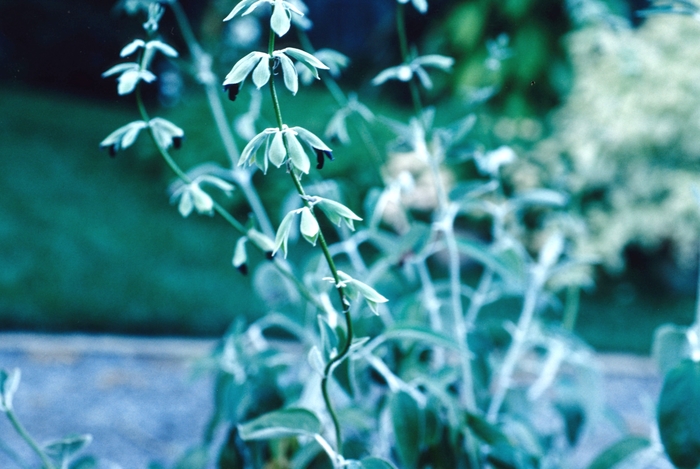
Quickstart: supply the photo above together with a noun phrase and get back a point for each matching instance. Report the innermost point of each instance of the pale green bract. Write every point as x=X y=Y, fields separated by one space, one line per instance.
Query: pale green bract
x=405 y=72
x=130 y=75
x=9 y=382
x=281 y=18
x=258 y=63
x=354 y=287
x=282 y=146
x=420 y=5
x=192 y=196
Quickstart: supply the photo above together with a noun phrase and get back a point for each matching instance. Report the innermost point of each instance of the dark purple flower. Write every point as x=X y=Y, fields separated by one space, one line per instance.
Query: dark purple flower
x=232 y=90
x=321 y=156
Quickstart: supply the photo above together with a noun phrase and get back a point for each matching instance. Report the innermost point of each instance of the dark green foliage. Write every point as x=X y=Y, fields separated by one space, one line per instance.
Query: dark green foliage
x=618 y=452
x=678 y=410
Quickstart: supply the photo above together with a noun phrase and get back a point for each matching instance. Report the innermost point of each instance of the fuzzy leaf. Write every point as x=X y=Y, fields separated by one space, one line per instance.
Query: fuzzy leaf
x=618 y=452
x=132 y=47
x=163 y=47
x=434 y=60
x=120 y=68
x=329 y=338
x=315 y=359
x=408 y=421
x=385 y=75
x=678 y=408
x=9 y=382
x=281 y=424
x=420 y=334
x=337 y=212
x=64 y=450
x=376 y=463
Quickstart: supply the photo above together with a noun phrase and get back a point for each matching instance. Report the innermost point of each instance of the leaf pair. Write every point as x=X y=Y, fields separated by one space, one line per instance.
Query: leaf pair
x=405 y=72
x=281 y=18
x=292 y=422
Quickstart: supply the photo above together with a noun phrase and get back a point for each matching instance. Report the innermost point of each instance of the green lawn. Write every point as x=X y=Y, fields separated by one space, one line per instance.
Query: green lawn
x=92 y=243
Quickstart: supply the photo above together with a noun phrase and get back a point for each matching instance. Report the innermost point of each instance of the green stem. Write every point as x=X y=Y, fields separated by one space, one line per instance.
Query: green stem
x=573 y=300
x=344 y=303
x=406 y=56
x=342 y=100
x=28 y=438
x=207 y=78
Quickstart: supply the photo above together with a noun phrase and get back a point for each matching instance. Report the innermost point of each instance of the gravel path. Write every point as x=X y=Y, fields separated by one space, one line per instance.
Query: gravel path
x=138 y=399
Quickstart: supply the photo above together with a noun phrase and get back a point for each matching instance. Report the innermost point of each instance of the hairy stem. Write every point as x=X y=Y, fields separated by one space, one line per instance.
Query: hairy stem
x=29 y=440
x=405 y=56
x=515 y=350
x=446 y=213
x=344 y=302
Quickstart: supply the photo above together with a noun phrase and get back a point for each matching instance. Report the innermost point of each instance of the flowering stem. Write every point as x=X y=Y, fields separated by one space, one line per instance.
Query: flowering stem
x=202 y=65
x=28 y=438
x=405 y=56
x=344 y=303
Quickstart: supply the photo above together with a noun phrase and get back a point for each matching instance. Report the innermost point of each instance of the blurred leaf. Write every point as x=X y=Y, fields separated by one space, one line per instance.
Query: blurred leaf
x=281 y=423
x=329 y=339
x=345 y=376
x=376 y=463
x=485 y=431
x=506 y=456
x=194 y=458
x=678 y=410
x=422 y=334
x=501 y=264
x=670 y=347
x=408 y=422
x=9 y=382
x=230 y=456
x=316 y=360
x=574 y=418
x=618 y=452
x=65 y=449
x=84 y=462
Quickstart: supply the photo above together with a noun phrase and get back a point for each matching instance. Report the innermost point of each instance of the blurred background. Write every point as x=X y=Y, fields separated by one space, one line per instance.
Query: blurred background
x=596 y=100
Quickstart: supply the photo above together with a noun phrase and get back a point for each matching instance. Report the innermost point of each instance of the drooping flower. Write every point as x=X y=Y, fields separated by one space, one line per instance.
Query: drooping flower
x=258 y=63
x=283 y=146
x=192 y=196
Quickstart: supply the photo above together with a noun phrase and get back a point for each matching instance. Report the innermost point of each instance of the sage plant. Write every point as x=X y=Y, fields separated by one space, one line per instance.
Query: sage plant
x=408 y=382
